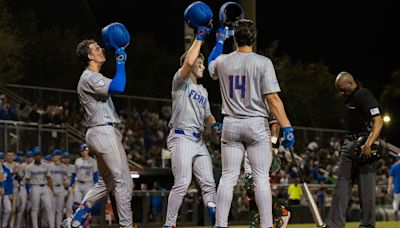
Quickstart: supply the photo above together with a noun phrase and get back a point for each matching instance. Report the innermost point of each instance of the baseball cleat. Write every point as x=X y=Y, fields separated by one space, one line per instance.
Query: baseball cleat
x=66 y=223
x=285 y=220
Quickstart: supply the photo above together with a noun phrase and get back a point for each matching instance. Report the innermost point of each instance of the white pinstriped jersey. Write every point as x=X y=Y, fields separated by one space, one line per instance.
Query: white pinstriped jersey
x=37 y=174
x=93 y=96
x=84 y=169
x=58 y=173
x=190 y=106
x=244 y=78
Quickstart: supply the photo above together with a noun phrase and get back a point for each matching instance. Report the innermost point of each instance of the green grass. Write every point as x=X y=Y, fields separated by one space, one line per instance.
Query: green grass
x=348 y=225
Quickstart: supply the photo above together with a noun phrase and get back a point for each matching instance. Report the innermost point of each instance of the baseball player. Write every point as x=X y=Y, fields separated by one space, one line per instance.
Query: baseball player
x=7 y=188
x=103 y=136
x=59 y=177
x=22 y=198
x=70 y=196
x=13 y=167
x=41 y=189
x=84 y=176
x=280 y=214
x=190 y=113
x=246 y=81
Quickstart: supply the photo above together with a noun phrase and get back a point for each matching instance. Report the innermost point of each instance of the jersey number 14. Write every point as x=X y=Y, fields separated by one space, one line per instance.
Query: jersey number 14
x=237 y=82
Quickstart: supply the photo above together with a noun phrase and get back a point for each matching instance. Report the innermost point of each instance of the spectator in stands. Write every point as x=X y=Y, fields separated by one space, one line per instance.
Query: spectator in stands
x=156 y=201
x=34 y=115
x=394 y=186
x=7 y=111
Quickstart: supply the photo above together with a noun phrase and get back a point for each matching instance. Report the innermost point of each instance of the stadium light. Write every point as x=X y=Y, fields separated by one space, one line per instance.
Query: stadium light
x=386 y=119
x=135 y=175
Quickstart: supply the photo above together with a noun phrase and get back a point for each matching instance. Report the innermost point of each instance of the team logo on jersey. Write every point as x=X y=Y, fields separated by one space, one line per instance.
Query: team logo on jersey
x=198 y=97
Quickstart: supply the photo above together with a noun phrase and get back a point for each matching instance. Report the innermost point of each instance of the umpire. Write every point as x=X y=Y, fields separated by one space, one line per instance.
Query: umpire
x=362 y=118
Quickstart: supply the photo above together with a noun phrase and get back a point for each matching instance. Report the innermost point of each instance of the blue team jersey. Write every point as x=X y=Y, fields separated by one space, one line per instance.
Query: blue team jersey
x=7 y=183
x=395 y=173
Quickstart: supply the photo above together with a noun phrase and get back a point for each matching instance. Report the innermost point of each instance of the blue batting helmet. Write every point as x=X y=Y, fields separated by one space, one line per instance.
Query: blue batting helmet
x=198 y=14
x=229 y=13
x=115 y=35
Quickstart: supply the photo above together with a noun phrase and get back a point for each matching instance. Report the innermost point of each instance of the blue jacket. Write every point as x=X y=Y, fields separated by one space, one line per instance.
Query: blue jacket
x=7 y=183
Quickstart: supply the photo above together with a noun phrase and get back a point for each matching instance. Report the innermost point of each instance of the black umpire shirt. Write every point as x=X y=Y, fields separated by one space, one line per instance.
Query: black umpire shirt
x=360 y=107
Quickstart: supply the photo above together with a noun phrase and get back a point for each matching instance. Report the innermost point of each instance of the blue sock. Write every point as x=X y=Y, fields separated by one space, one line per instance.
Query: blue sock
x=211 y=215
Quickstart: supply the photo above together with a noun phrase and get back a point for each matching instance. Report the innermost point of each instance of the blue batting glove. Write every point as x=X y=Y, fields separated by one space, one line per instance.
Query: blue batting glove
x=222 y=35
x=288 y=137
x=217 y=127
x=203 y=31
x=120 y=56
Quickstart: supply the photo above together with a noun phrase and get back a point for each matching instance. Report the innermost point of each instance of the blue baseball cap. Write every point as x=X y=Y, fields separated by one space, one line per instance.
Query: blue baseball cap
x=48 y=157
x=57 y=152
x=36 y=151
x=20 y=153
x=29 y=154
x=2 y=155
x=398 y=157
x=65 y=154
x=18 y=159
x=83 y=147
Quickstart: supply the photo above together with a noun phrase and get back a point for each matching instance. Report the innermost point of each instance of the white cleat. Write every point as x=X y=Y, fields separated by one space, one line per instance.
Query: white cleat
x=67 y=223
x=285 y=220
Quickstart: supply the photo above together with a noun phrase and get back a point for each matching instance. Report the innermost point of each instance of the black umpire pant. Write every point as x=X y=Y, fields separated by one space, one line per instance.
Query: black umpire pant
x=350 y=171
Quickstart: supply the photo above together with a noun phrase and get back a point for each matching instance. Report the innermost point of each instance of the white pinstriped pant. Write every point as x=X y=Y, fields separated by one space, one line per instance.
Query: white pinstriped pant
x=188 y=155
x=106 y=143
x=238 y=136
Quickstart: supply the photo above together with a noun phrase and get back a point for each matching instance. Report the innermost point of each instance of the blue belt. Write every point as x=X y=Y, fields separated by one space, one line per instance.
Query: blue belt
x=197 y=135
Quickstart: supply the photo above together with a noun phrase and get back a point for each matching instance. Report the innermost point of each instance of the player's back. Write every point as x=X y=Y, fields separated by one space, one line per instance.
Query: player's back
x=244 y=79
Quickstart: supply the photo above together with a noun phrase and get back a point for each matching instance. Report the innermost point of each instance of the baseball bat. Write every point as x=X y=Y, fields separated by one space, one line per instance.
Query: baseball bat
x=310 y=199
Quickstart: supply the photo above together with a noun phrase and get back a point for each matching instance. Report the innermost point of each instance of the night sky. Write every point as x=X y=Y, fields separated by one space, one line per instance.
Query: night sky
x=359 y=38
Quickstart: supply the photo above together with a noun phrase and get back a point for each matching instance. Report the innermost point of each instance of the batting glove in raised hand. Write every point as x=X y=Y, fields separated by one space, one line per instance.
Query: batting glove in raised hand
x=217 y=127
x=222 y=35
x=288 y=137
x=203 y=31
x=120 y=56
